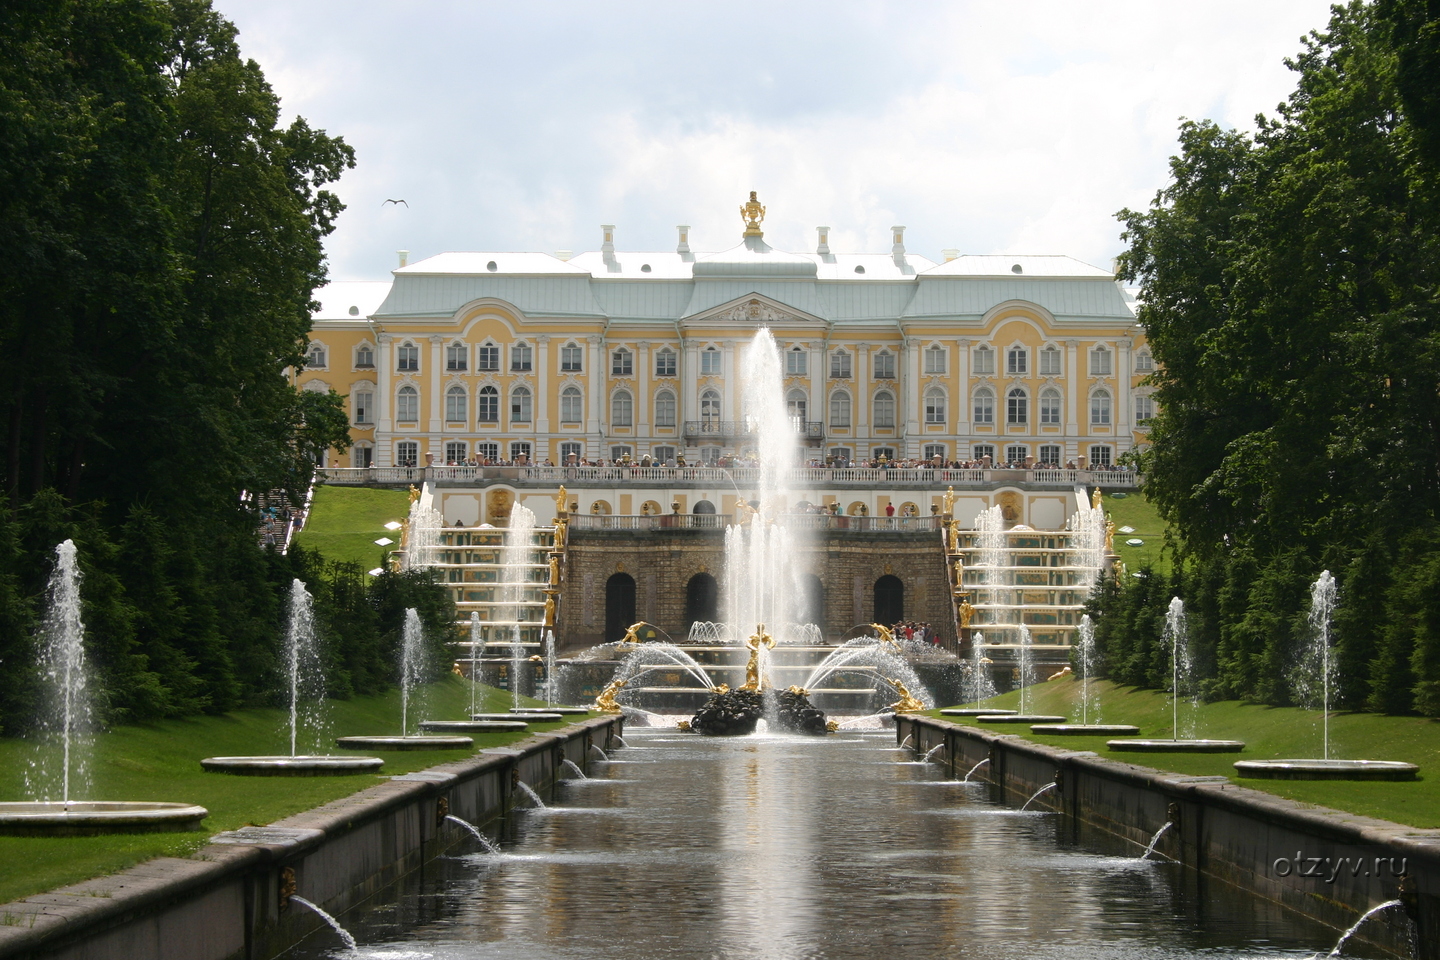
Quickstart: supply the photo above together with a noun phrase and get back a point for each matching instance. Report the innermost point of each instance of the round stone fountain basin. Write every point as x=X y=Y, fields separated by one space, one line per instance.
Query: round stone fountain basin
x=89 y=817
x=1177 y=746
x=472 y=726
x=511 y=717
x=1327 y=769
x=405 y=743
x=1019 y=718
x=565 y=711
x=1085 y=729
x=975 y=712
x=292 y=766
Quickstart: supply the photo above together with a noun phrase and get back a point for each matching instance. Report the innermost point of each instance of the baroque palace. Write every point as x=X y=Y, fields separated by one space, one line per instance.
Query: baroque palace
x=610 y=354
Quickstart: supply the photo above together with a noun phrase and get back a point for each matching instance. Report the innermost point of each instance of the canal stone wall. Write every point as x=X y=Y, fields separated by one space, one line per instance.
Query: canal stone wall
x=1325 y=864
x=230 y=900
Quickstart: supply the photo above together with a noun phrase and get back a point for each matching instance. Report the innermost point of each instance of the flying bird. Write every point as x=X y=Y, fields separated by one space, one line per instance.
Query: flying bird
x=407 y=206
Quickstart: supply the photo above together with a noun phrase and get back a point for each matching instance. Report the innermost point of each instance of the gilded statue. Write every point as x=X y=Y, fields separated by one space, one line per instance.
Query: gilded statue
x=561 y=502
x=1109 y=535
x=559 y=540
x=605 y=703
x=631 y=636
x=721 y=690
x=966 y=612
x=683 y=725
x=752 y=213
x=758 y=640
x=550 y=610
x=799 y=691
x=414 y=494
x=947 y=502
x=886 y=635
x=907 y=702
x=1095 y=500
x=554 y=569
x=954 y=528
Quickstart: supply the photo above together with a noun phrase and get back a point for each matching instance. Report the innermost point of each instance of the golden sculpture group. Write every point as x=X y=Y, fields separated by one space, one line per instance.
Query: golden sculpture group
x=758 y=640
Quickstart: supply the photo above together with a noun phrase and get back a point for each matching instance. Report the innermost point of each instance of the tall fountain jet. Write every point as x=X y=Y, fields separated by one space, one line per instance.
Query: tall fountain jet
x=62 y=662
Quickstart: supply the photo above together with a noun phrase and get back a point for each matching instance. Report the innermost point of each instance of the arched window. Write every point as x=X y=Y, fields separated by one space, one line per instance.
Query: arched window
x=665 y=362
x=884 y=409
x=710 y=361
x=407 y=405
x=572 y=405
x=455 y=404
x=1144 y=411
x=702 y=599
x=984 y=361
x=407 y=357
x=365 y=357
x=489 y=405
x=488 y=357
x=840 y=365
x=571 y=358
x=710 y=406
x=1144 y=363
x=457 y=357
x=1049 y=407
x=1017 y=361
x=1050 y=362
x=840 y=409
x=885 y=365
x=796 y=362
x=889 y=600
x=795 y=406
x=619 y=605
x=934 y=405
x=362 y=454
x=622 y=409
x=521 y=358
x=984 y=405
x=1100 y=408
x=363 y=402
x=315 y=359
x=520 y=405
x=1100 y=362
x=622 y=363
x=703 y=506
x=664 y=409
x=1017 y=407
x=935 y=361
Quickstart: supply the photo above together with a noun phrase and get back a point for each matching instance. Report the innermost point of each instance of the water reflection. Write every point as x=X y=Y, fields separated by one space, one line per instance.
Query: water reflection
x=781 y=848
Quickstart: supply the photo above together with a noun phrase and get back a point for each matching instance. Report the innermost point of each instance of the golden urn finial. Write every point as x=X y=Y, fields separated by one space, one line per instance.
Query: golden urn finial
x=752 y=213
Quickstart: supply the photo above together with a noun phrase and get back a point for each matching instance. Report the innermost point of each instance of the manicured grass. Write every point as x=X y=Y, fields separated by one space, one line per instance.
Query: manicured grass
x=345 y=522
x=1269 y=733
x=162 y=762
x=1133 y=510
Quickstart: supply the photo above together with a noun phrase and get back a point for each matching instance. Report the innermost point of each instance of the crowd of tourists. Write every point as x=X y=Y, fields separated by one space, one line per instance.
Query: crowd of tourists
x=832 y=463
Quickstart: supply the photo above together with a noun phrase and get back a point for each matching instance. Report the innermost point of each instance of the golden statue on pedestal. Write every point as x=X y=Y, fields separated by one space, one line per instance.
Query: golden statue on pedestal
x=799 y=691
x=1109 y=535
x=605 y=703
x=1095 y=500
x=907 y=702
x=632 y=638
x=752 y=213
x=558 y=544
x=550 y=610
x=887 y=636
x=758 y=640
x=947 y=502
x=721 y=690
x=965 y=611
x=560 y=502
x=554 y=569
x=414 y=494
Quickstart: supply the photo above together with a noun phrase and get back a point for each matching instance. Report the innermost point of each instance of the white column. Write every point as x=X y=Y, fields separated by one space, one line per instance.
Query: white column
x=962 y=397
x=542 y=392
x=913 y=414
x=862 y=398
x=437 y=366
x=1124 y=405
x=689 y=381
x=1074 y=380
x=384 y=427
x=596 y=415
x=642 y=394
x=730 y=398
x=819 y=404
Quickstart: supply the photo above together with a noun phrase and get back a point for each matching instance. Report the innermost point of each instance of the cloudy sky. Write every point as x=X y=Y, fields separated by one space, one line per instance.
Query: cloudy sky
x=1016 y=127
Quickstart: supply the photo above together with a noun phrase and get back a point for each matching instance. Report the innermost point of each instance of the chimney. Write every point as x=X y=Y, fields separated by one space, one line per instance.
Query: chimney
x=950 y=253
x=824 y=246
x=607 y=248
x=404 y=256
x=898 y=250
x=683 y=247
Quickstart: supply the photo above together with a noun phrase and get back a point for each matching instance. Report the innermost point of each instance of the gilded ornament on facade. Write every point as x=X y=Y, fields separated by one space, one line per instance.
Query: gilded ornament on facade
x=753 y=213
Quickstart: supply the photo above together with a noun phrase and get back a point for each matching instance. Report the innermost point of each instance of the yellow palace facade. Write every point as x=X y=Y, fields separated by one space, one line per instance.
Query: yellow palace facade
x=608 y=354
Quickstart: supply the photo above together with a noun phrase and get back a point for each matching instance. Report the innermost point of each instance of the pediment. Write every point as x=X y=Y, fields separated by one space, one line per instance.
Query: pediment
x=755 y=310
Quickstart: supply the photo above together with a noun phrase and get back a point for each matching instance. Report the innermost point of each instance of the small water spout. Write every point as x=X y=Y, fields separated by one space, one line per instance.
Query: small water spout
x=599 y=751
x=1340 y=945
x=474 y=831
x=1156 y=839
x=934 y=750
x=906 y=742
x=1049 y=786
x=570 y=765
x=344 y=934
x=533 y=797
x=619 y=739
x=974 y=768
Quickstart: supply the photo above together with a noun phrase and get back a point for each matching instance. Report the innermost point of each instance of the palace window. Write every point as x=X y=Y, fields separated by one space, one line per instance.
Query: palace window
x=455 y=451
x=984 y=361
x=1050 y=362
x=709 y=406
x=316 y=357
x=796 y=404
x=622 y=410
x=487 y=452
x=1144 y=411
x=1144 y=363
x=983 y=450
x=887 y=452
x=570 y=358
x=407 y=453
x=665 y=363
x=520 y=358
x=572 y=405
x=1050 y=407
x=407 y=357
x=621 y=451
x=1100 y=456
x=407 y=405
x=455 y=405
x=884 y=409
x=364 y=402
x=710 y=361
x=1050 y=454
x=520 y=405
x=840 y=365
x=1017 y=407
x=984 y=405
x=662 y=454
x=1100 y=362
x=885 y=365
x=457 y=357
x=934 y=406
x=840 y=409
x=488 y=405
x=518 y=449
x=489 y=359
x=796 y=363
x=933 y=450
x=1100 y=409
x=840 y=454
x=622 y=363
x=362 y=455
x=1016 y=453
x=570 y=449
x=364 y=357
x=1017 y=361
x=664 y=409
x=935 y=361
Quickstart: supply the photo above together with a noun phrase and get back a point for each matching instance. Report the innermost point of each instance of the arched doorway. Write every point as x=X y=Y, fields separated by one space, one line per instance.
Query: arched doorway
x=889 y=600
x=619 y=606
x=812 y=593
x=703 y=506
x=702 y=599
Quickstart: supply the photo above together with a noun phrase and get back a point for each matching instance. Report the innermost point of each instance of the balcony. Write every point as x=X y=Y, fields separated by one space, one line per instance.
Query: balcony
x=703 y=431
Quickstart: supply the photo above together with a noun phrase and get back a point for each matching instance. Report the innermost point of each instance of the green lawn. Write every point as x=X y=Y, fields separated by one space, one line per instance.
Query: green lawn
x=1132 y=509
x=345 y=522
x=161 y=762
x=1269 y=733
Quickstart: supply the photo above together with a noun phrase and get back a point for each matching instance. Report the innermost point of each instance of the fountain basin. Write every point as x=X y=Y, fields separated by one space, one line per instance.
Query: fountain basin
x=1085 y=729
x=472 y=726
x=1019 y=718
x=975 y=712
x=404 y=743
x=292 y=766
x=511 y=717
x=563 y=711
x=1177 y=746
x=1327 y=769
x=90 y=817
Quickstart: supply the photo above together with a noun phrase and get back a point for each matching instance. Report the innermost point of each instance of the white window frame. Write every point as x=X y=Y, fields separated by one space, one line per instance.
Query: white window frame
x=1046 y=449
x=361 y=352
x=1017 y=407
x=572 y=401
x=1101 y=409
x=572 y=358
x=710 y=363
x=983 y=406
x=519 y=448
x=983 y=361
x=488 y=396
x=407 y=357
x=933 y=450
x=1051 y=362
x=665 y=409
x=1101 y=361
x=522 y=357
x=1052 y=407
x=457 y=357
x=487 y=450
x=567 y=448
x=363 y=403
x=797 y=362
x=935 y=405
x=407 y=453
x=622 y=409
x=522 y=406
x=622 y=362
x=1100 y=455
x=841 y=409
x=884 y=365
x=1017 y=361
x=1011 y=449
x=456 y=404
x=407 y=396
x=935 y=357
x=711 y=406
x=666 y=362
x=883 y=406
x=456 y=446
x=487 y=357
